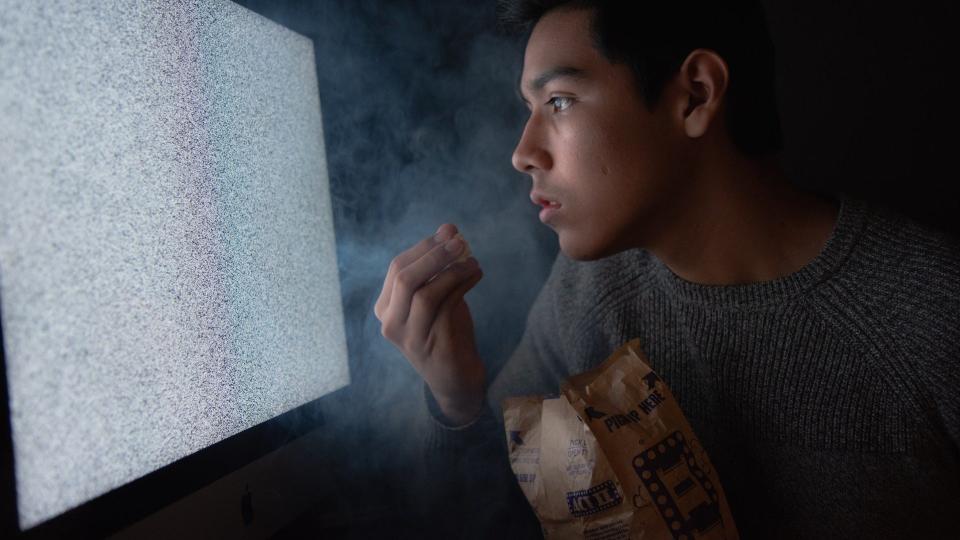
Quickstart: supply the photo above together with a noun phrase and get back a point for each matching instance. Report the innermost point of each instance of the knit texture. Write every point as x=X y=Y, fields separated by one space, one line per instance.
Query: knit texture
x=827 y=399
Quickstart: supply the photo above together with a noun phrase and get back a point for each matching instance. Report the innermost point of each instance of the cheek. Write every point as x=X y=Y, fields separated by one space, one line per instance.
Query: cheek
x=606 y=163
x=598 y=182
x=616 y=150
x=633 y=161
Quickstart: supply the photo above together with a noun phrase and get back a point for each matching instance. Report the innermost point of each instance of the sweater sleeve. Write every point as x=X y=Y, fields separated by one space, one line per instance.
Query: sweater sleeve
x=920 y=288
x=928 y=324
x=899 y=298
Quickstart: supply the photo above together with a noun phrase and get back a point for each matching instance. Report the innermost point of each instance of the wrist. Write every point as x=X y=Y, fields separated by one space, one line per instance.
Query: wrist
x=459 y=410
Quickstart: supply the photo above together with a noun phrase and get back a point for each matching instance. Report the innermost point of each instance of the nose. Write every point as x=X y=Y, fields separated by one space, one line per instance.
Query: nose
x=531 y=153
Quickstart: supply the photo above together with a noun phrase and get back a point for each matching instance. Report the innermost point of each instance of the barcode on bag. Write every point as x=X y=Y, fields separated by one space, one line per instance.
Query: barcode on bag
x=593 y=500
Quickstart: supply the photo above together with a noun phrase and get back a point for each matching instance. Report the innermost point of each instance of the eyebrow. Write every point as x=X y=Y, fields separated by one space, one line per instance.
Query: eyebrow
x=549 y=75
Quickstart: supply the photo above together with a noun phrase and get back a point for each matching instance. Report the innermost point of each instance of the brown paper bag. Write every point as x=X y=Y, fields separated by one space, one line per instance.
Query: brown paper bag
x=562 y=471
x=649 y=477
x=652 y=448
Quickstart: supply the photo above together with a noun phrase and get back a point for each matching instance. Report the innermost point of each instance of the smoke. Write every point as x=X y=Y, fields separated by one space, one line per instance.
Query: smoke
x=420 y=120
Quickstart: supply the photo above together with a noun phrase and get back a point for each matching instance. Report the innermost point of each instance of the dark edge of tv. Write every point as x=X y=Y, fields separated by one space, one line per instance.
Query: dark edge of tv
x=130 y=503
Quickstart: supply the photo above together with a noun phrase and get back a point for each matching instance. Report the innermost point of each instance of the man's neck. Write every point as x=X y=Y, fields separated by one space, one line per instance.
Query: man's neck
x=744 y=223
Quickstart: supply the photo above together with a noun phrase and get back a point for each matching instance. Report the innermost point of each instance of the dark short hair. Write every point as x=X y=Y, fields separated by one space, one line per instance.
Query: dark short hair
x=654 y=37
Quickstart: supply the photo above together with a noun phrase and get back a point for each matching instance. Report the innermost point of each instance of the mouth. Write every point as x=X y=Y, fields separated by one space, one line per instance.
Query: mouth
x=543 y=201
x=548 y=209
x=548 y=206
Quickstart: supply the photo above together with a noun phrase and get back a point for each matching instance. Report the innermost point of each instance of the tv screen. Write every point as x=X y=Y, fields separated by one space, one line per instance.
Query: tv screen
x=168 y=272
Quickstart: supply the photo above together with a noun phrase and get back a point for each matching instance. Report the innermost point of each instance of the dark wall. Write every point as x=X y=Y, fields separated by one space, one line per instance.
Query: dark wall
x=866 y=92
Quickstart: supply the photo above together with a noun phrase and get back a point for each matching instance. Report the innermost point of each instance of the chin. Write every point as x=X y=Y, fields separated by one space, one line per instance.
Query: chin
x=580 y=250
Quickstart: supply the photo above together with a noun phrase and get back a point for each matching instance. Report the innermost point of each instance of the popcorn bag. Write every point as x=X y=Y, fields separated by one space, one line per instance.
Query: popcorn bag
x=648 y=477
x=562 y=471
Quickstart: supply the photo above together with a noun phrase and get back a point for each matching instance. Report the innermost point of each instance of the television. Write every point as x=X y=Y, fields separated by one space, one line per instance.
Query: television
x=170 y=306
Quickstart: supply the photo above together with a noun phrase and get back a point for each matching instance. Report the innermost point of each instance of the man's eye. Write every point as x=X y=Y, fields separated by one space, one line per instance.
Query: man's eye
x=560 y=103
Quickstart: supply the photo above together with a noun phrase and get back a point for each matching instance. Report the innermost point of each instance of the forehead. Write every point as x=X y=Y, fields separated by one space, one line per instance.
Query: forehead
x=562 y=38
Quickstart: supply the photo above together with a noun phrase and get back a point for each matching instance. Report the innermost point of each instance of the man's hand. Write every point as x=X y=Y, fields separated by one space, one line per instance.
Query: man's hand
x=428 y=320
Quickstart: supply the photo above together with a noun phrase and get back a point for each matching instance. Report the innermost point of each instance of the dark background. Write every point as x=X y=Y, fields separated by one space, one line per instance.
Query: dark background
x=421 y=117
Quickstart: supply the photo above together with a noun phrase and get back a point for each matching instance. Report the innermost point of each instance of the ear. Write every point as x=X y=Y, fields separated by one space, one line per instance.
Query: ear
x=703 y=79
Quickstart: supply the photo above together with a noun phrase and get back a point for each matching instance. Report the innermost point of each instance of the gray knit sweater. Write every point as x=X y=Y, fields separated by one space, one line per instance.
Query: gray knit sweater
x=828 y=400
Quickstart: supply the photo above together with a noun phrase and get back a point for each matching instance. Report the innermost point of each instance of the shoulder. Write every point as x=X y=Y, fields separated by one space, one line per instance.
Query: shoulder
x=907 y=269
x=897 y=295
x=909 y=247
x=920 y=291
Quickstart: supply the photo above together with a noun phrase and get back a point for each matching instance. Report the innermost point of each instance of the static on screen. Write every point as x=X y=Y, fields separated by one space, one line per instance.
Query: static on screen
x=168 y=271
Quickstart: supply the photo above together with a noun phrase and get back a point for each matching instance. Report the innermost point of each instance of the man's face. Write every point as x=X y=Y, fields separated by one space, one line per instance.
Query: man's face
x=591 y=145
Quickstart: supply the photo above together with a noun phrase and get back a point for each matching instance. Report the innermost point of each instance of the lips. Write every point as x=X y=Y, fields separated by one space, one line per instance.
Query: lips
x=549 y=205
x=543 y=200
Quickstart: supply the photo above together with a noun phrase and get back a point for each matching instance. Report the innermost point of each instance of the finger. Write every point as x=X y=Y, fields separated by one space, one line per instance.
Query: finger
x=416 y=274
x=443 y=233
x=454 y=298
x=444 y=315
x=428 y=299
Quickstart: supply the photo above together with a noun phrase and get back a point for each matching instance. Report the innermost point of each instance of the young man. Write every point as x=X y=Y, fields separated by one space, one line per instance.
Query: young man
x=813 y=344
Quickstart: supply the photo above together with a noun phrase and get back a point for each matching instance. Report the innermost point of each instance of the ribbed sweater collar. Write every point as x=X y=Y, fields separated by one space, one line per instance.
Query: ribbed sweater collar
x=850 y=222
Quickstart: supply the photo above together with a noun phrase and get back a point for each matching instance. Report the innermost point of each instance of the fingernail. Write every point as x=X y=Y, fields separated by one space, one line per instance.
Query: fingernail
x=453 y=246
x=442 y=235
